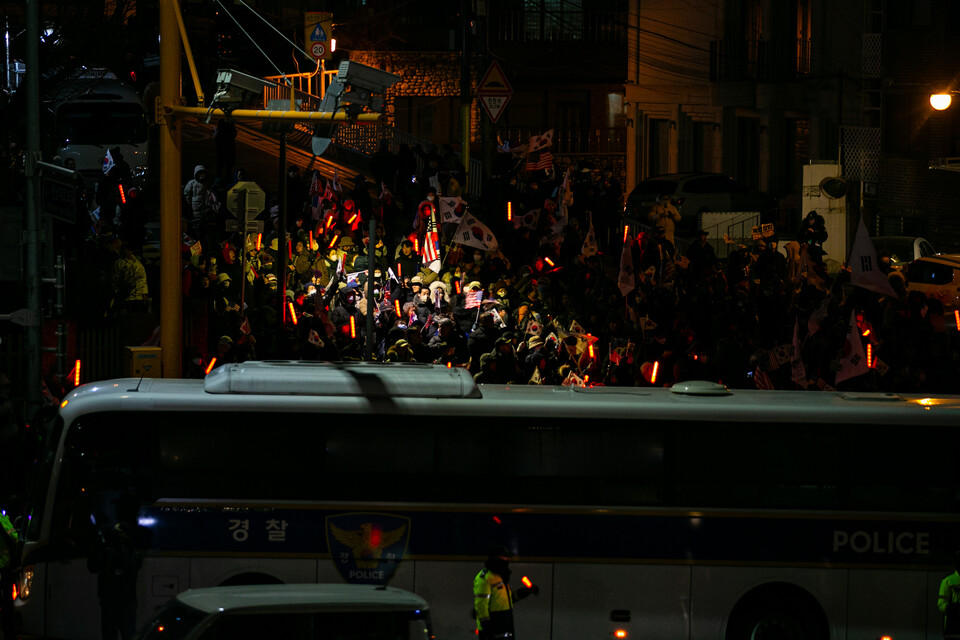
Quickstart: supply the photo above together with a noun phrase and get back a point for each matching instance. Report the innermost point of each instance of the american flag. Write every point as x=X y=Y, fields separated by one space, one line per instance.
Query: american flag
x=431 y=247
x=539 y=156
x=615 y=357
x=539 y=160
x=473 y=299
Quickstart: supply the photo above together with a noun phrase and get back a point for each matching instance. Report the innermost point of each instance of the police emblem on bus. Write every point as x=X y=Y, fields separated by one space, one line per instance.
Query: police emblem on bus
x=367 y=547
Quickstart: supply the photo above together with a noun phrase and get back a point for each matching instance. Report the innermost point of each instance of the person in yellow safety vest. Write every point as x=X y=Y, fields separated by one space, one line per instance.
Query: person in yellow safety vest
x=493 y=598
x=948 y=601
x=8 y=550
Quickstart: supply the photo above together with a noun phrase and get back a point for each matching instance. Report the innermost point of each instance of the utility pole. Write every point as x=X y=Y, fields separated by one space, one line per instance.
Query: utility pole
x=171 y=304
x=169 y=111
x=465 y=89
x=32 y=205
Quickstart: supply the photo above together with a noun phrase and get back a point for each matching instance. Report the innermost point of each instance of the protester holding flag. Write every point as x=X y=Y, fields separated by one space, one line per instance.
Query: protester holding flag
x=664 y=214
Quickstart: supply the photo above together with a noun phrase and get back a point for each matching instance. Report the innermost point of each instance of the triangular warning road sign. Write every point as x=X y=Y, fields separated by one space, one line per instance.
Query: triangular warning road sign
x=494 y=105
x=494 y=82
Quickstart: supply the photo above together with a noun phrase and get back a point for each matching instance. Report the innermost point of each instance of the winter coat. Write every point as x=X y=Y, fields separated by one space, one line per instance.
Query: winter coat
x=196 y=193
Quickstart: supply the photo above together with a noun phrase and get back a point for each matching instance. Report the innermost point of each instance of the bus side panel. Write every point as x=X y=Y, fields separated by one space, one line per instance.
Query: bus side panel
x=160 y=579
x=212 y=572
x=887 y=603
x=716 y=590
x=71 y=587
x=448 y=587
x=657 y=598
x=403 y=578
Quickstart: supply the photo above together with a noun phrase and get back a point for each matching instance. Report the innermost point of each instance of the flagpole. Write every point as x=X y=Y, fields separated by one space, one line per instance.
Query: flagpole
x=436 y=229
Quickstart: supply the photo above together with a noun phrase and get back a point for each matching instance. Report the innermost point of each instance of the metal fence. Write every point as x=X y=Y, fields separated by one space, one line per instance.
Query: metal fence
x=727 y=229
x=593 y=141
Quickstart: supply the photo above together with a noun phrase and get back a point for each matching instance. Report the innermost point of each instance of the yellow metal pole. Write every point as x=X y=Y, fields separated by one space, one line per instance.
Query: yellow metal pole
x=465 y=144
x=170 y=158
x=266 y=114
x=188 y=52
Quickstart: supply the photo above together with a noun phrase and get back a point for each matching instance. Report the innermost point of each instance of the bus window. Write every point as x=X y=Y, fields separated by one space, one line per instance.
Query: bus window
x=100 y=122
x=104 y=477
x=754 y=465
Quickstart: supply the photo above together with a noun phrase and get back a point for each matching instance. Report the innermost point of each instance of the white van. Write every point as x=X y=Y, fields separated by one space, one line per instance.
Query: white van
x=292 y=612
x=94 y=112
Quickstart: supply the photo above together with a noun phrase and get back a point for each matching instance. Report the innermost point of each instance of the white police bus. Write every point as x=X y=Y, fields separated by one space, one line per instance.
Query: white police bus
x=93 y=112
x=691 y=512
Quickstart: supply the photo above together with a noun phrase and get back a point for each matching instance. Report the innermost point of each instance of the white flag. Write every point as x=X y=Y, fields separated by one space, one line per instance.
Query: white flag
x=528 y=220
x=540 y=142
x=589 y=247
x=627 y=280
x=564 y=218
x=552 y=235
x=854 y=362
x=474 y=233
x=448 y=209
x=108 y=162
x=573 y=380
x=864 y=268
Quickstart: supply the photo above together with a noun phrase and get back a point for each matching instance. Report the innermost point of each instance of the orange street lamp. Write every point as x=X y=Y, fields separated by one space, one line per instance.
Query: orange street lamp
x=940 y=101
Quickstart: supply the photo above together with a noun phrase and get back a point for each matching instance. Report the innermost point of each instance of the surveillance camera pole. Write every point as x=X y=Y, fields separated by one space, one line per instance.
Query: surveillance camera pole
x=32 y=390
x=169 y=113
x=283 y=252
x=171 y=303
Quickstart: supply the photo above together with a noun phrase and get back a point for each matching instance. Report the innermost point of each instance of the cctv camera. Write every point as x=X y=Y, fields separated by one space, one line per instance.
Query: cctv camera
x=235 y=87
x=357 y=86
x=360 y=76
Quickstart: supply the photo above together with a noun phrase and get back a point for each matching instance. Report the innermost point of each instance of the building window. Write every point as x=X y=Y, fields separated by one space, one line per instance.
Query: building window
x=553 y=20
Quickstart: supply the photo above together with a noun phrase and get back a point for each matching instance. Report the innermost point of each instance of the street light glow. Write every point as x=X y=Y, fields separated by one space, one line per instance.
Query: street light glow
x=940 y=101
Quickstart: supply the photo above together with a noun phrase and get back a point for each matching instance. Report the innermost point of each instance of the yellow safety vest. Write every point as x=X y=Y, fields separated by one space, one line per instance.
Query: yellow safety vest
x=490 y=595
x=948 y=595
x=5 y=551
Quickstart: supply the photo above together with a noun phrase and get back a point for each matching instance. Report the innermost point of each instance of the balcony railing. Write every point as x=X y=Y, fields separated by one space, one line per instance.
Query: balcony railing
x=575 y=141
x=308 y=88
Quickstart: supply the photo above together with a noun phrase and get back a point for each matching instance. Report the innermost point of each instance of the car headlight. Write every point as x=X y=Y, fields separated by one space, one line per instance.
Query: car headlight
x=26 y=582
x=138 y=171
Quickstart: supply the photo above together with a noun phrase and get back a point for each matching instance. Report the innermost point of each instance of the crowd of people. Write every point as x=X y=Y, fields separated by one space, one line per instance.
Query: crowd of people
x=539 y=281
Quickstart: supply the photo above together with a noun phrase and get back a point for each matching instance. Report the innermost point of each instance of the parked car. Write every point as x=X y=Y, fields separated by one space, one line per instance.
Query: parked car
x=938 y=277
x=694 y=193
x=903 y=249
x=292 y=611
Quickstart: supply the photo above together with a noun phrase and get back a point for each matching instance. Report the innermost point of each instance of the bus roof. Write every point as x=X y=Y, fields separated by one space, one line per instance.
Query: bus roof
x=313 y=596
x=87 y=89
x=412 y=388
